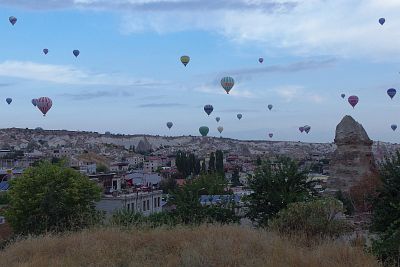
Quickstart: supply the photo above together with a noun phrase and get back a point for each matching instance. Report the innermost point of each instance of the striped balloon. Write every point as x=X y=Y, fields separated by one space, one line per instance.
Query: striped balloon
x=44 y=104
x=227 y=83
x=208 y=109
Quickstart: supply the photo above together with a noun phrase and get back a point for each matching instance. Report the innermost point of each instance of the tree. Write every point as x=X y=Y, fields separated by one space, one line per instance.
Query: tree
x=386 y=212
x=52 y=197
x=259 y=161
x=219 y=161
x=235 y=178
x=203 y=167
x=168 y=185
x=276 y=185
x=211 y=164
x=197 y=167
x=101 y=168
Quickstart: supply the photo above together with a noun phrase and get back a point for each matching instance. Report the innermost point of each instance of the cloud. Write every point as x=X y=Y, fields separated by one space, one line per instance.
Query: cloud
x=68 y=75
x=154 y=5
x=161 y=105
x=98 y=94
x=292 y=92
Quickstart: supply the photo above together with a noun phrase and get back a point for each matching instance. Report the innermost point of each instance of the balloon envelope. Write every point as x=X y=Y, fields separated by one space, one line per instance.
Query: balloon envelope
x=353 y=100
x=13 y=20
x=391 y=92
x=307 y=129
x=44 y=104
x=9 y=100
x=34 y=102
x=261 y=60
x=169 y=125
x=204 y=130
x=208 y=109
x=227 y=83
x=217 y=119
x=394 y=127
x=301 y=129
x=271 y=135
x=382 y=21
x=220 y=129
x=239 y=116
x=76 y=53
x=270 y=106
x=343 y=95
x=45 y=51
x=185 y=60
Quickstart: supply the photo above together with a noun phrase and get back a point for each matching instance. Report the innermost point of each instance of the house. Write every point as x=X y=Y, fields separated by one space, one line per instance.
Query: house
x=152 y=164
x=135 y=160
x=145 y=203
x=119 y=167
x=138 y=178
x=63 y=152
x=108 y=181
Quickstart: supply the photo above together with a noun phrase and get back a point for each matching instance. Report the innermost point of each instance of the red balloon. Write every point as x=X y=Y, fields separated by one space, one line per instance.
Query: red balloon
x=353 y=100
x=44 y=104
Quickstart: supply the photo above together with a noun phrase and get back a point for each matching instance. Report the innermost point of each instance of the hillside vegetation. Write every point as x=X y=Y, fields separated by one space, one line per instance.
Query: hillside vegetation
x=181 y=246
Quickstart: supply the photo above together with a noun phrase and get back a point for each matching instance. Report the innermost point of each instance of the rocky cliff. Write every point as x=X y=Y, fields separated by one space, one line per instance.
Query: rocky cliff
x=353 y=158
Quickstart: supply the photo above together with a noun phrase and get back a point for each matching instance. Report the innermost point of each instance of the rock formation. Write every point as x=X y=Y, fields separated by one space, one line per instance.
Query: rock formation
x=353 y=159
x=144 y=146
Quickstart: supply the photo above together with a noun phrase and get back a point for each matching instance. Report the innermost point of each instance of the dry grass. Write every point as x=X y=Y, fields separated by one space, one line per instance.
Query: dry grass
x=201 y=246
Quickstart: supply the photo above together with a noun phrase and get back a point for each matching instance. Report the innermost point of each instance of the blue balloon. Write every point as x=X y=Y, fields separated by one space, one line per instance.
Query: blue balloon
x=382 y=21
x=76 y=53
x=239 y=116
x=394 y=127
x=208 y=109
x=9 y=100
x=391 y=92
x=45 y=51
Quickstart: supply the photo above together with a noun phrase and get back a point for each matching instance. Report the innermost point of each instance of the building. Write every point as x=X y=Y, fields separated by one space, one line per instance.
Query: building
x=138 y=178
x=135 y=160
x=152 y=164
x=145 y=203
x=62 y=153
x=119 y=167
x=108 y=181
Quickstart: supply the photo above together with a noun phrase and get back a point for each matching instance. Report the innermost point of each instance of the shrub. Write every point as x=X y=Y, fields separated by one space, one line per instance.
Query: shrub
x=318 y=218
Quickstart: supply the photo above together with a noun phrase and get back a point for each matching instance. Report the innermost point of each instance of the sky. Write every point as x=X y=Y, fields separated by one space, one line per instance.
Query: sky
x=129 y=79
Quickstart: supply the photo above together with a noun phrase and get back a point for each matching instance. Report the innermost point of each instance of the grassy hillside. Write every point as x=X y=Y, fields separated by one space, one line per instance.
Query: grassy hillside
x=200 y=246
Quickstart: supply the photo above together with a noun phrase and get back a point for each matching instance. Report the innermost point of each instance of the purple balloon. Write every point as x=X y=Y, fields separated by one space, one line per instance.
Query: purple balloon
x=353 y=100
x=391 y=92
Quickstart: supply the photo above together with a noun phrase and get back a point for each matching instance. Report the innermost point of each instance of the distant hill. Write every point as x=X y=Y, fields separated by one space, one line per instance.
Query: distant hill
x=194 y=247
x=109 y=143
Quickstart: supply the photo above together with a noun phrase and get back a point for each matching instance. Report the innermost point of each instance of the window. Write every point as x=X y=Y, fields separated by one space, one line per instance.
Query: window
x=158 y=201
x=148 y=204
x=129 y=206
x=144 y=205
x=155 y=202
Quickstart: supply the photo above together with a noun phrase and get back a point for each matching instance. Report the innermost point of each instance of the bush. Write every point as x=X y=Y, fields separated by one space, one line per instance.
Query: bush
x=318 y=218
x=127 y=218
x=346 y=200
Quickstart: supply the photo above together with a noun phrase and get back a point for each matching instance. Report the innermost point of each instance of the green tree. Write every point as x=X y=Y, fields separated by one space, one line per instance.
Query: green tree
x=101 y=168
x=275 y=185
x=386 y=212
x=197 y=167
x=211 y=163
x=203 y=167
x=259 y=161
x=52 y=197
x=235 y=178
x=168 y=185
x=346 y=200
x=219 y=161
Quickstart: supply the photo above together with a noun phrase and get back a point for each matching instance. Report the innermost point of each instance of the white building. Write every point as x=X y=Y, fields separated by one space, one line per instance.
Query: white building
x=135 y=160
x=140 y=202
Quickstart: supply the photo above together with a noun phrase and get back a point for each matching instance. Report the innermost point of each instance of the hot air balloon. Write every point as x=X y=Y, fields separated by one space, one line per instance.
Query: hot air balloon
x=185 y=60
x=271 y=135
x=9 y=100
x=391 y=92
x=220 y=129
x=307 y=129
x=239 y=116
x=301 y=129
x=382 y=21
x=169 y=125
x=13 y=20
x=343 y=96
x=394 y=127
x=227 y=83
x=208 y=109
x=76 y=53
x=34 y=102
x=217 y=119
x=353 y=100
x=44 y=104
x=204 y=130
x=45 y=51
x=261 y=60
x=270 y=106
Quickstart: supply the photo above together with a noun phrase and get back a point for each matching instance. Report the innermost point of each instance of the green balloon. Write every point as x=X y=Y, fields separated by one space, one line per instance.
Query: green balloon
x=204 y=130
